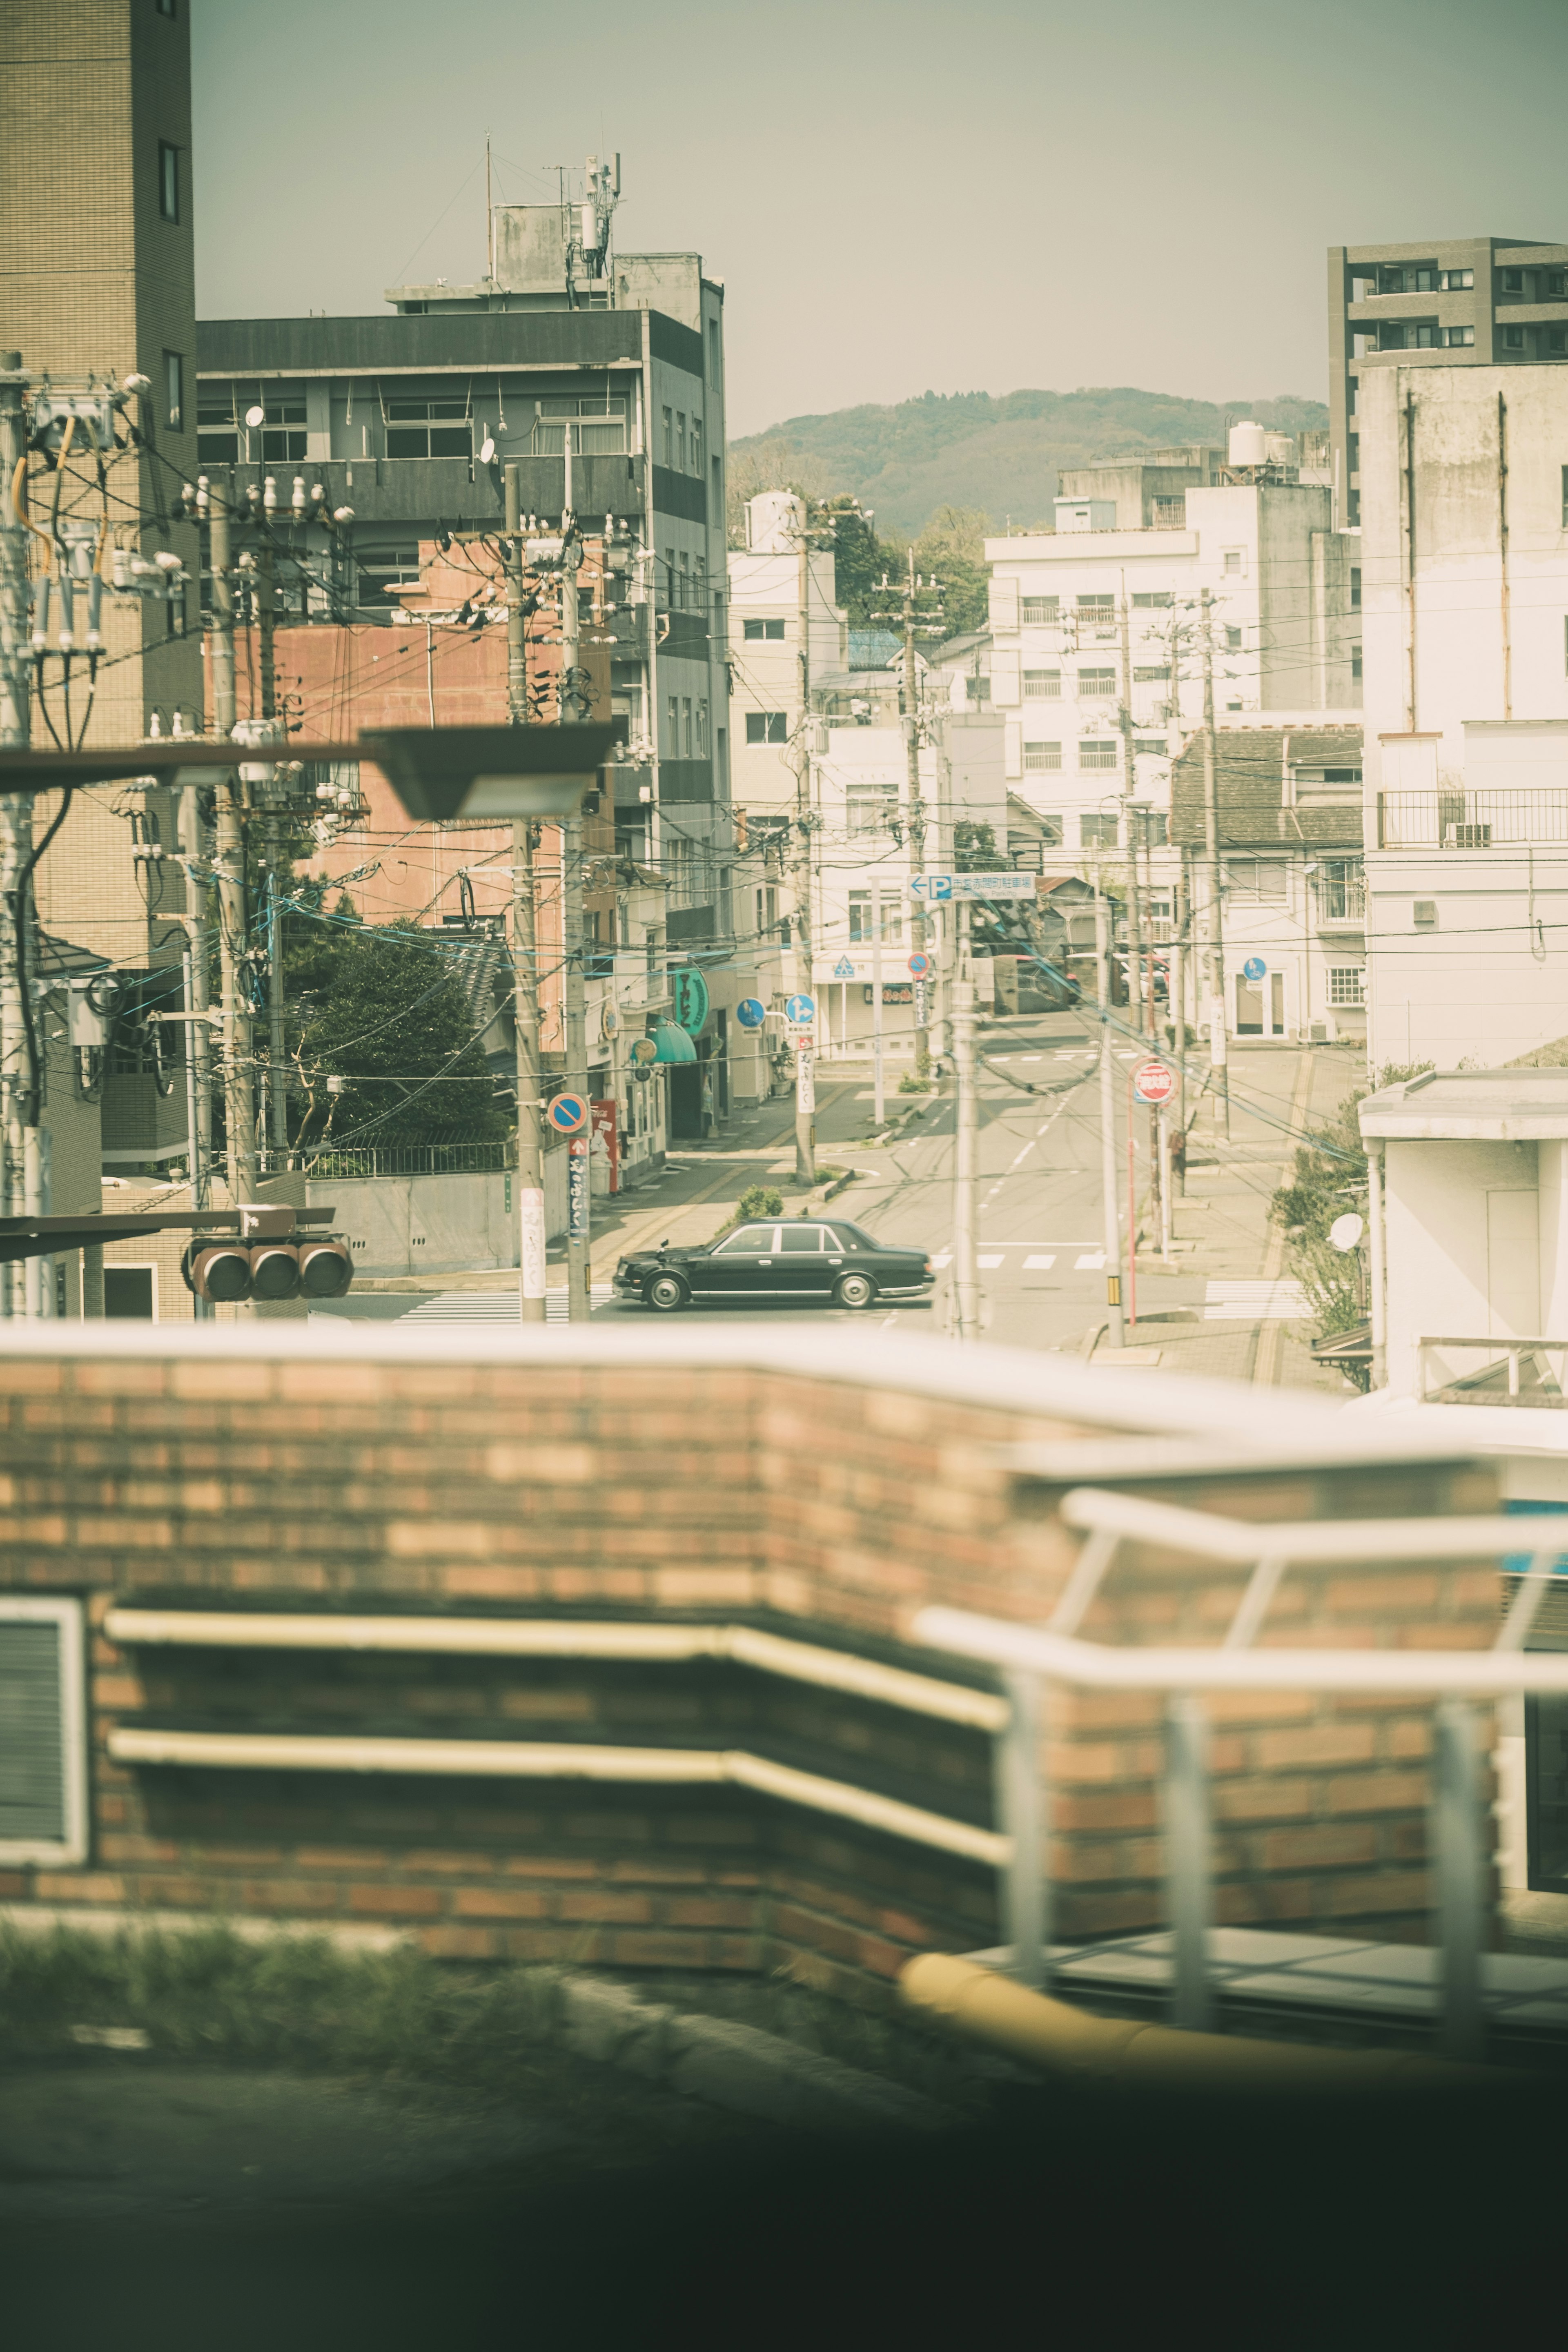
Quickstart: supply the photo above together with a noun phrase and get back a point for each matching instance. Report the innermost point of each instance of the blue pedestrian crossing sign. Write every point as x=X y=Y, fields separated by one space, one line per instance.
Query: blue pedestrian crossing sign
x=844 y=969
x=801 y=1010
x=567 y=1114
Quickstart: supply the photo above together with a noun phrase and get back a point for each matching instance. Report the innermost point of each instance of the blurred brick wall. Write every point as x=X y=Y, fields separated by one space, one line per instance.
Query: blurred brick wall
x=829 y=1508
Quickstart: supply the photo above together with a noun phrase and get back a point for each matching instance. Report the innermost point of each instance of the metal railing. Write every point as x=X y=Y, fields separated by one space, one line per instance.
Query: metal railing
x=1502 y=1371
x=1467 y=820
x=1340 y=902
x=1030 y=1657
x=355 y=1160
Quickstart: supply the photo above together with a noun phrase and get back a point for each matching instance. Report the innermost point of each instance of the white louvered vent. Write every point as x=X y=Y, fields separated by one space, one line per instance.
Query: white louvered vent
x=43 y=1810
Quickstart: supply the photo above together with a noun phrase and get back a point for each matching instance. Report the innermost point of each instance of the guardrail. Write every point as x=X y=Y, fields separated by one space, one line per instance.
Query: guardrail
x=1030 y=1658
x=1531 y=1372
x=1471 y=820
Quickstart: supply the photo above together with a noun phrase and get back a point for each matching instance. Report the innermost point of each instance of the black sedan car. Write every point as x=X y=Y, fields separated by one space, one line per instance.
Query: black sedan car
x=810 y=1260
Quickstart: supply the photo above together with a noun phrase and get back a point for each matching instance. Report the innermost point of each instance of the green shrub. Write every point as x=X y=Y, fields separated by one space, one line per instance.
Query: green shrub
x=909 y=1084
x=761 y=1201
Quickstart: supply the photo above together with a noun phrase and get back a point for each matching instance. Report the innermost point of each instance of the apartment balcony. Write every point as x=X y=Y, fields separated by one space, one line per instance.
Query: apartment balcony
x=1530 y=1373
x=1482 y=820
x=1339 y=905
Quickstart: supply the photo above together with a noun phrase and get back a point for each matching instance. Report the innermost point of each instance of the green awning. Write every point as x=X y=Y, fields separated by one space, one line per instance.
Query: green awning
x=672 y=1043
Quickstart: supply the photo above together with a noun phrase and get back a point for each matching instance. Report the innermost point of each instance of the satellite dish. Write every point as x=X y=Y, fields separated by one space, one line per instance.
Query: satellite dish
x=487 y=451
x=253 y=416
x=1345 y=1233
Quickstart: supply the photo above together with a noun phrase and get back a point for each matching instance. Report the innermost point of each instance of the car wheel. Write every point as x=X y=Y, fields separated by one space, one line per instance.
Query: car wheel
x=853 y=1290
x=665 y=1292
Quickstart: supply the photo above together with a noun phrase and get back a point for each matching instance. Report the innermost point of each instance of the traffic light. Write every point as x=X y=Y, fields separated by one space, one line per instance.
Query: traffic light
x=274 y=1269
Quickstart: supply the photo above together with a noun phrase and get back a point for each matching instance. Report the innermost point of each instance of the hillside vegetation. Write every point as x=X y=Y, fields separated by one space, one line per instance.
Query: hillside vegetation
x=967 y=450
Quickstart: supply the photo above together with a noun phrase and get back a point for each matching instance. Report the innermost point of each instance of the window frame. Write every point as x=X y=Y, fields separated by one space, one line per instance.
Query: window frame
x=759 y=725
x=71 y=1851
x=1338 y=1001
x=169 y=190
x=736 y=1244
x=175 y=391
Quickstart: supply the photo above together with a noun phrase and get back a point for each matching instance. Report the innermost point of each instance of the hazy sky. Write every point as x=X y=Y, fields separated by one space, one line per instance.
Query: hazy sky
x=967 y=197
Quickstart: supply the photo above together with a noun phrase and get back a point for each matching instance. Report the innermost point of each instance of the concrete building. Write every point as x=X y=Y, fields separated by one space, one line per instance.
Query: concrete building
x=99 y=280
x=1293 y=905
x=1466 y=572
x=1118 y=588
x=602 y=376
x=1479 y=301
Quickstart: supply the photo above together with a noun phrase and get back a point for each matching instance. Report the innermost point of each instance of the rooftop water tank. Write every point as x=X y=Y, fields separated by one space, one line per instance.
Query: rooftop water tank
x=1282 y=448
x=1248 y=444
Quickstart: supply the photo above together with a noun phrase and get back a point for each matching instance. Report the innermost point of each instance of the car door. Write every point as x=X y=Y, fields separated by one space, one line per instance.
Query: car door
x=801 y=1267
x=742 y=1261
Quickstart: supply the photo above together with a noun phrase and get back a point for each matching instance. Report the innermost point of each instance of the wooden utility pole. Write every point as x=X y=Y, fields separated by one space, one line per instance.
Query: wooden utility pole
x=17 y=811
x=1135 y=977
x=524 y=954
x=917 y=820
x=804 y=1088
x=579 y=1279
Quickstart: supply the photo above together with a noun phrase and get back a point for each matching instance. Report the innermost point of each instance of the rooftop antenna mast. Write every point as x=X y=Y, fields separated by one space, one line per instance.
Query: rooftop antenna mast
x=489 y=219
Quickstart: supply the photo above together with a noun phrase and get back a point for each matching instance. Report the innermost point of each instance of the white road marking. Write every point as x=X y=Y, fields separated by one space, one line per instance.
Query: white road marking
x=988 y=1261
x=1039 y=1262
x=942 y=1257
x=1254 y=1302
x=1023 y=1154
x=1092 y=1261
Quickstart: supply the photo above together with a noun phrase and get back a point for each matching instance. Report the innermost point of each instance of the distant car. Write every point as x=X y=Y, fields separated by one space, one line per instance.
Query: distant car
x=820 y=1262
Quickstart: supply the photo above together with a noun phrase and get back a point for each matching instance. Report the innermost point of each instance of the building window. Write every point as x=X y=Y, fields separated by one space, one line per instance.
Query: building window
x=697 y=445
x=765 y=726
x=1038 y=757
x=1513 y=339
x=170 y=8
x=1347 y=984
x=767 y=910
x=1355 y=661
x=1097 y=608
x=382 y=568
x=174 y=391
x=672 y=715
x=1097 y=751
x=596 y=423
x=702 y=730
x=1353 y=452
x=168 y=180
x=1152 y=832
x=1557 y=341
x=1235 y=563
x=1355 y=587
x=1096 y=681
x=717 y=489
x=1232 y=640
x=1455 y=281
x=1459 y=338
x=1169 y=514
x=1153 y=747
x=416 y=428
x=1096 y=832
x=1042 y=685
x=859 y=918
x=1423 y=914
x=1513 y=281
x=44 y=1818
x=670 y=437
x=1153 y=600
x=1039 y=611
x=757 y=633
x=713 y=352
x=1258 y=878
x=1157 y=675
x=217 y=435
x=686 y=725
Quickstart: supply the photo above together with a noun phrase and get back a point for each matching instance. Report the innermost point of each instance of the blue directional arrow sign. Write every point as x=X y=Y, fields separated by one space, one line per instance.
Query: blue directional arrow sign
x=801 y=1010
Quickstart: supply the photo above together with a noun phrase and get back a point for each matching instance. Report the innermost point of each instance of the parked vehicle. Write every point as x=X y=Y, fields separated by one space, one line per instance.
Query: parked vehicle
x=804 y=1260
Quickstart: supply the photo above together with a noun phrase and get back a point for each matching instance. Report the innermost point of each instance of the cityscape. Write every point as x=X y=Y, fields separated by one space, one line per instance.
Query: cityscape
x=784 y=1284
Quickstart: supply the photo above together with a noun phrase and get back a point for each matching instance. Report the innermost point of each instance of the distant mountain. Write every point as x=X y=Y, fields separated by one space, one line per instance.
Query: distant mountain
x=966 y=449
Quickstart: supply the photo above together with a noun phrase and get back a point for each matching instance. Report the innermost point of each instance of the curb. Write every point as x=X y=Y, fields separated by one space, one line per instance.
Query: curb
x=735 y=2066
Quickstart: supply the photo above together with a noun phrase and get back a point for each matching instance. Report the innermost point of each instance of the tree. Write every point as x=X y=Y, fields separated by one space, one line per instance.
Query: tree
x=951 y=549
x=382 y=1010
x=975 y=848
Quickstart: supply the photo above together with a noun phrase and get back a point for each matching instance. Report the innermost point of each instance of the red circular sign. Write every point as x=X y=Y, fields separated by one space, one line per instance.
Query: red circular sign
x=1153 y=1082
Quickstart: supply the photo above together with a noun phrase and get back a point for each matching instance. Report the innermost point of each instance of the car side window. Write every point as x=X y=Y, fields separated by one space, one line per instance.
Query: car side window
x=751 y=1241
x=793 y=1239
x=841 y=1238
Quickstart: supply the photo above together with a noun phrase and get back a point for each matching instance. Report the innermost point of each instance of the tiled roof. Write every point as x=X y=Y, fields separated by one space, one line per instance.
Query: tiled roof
x=1249 y=769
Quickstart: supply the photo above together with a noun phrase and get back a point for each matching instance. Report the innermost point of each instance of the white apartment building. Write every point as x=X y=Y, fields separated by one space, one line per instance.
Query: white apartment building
x=1096 y=657
x=1464 y=477
x=766 y=643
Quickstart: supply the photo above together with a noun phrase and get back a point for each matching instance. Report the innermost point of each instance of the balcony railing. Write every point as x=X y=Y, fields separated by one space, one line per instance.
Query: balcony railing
x=1493 y=1371
x=1465 y=820
x=1337 y=905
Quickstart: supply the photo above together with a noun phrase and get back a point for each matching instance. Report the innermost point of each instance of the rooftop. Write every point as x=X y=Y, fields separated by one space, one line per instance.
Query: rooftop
x=1471 y=1107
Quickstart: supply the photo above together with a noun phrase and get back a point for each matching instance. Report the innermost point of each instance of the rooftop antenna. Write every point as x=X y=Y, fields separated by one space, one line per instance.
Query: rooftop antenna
x=489 y=219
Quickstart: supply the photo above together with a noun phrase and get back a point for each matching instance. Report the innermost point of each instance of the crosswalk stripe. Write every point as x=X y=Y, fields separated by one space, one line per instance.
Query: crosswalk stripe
x=1090 y=1262
x=1038 y=1262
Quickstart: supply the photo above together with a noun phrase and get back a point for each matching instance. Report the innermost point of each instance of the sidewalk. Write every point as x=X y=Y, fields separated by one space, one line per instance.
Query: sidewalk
x=1222 y=1220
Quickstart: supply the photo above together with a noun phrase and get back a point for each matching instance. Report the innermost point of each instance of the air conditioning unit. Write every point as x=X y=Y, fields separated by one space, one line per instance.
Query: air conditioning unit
x=774 y=1033
x=1466 y=836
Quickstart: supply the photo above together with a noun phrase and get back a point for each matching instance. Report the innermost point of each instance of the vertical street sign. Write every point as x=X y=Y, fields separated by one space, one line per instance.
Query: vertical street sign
x=578 y=1187
x=805 y=1084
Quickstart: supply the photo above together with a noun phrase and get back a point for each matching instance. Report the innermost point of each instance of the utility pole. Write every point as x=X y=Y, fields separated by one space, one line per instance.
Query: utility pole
x=15 y=812
x=1213 y=944
x=579 y=1279
x=524 y=954
x=1108 y=1170
x=917 y=821
x=805 y=1084
x=1135 y=922
x=239 y=1107
x=277 y=1090
x=966 y=1154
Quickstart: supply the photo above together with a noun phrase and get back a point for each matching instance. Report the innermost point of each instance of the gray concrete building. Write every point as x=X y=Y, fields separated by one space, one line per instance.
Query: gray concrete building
x=576 y=361
x=1482 y=301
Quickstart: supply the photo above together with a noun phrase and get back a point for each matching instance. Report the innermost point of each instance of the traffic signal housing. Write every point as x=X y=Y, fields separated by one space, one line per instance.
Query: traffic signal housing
x=326 y=1268
x=274 y=1268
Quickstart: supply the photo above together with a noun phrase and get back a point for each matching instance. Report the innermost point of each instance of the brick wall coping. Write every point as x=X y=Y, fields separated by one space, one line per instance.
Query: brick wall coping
x=1286 y=1425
